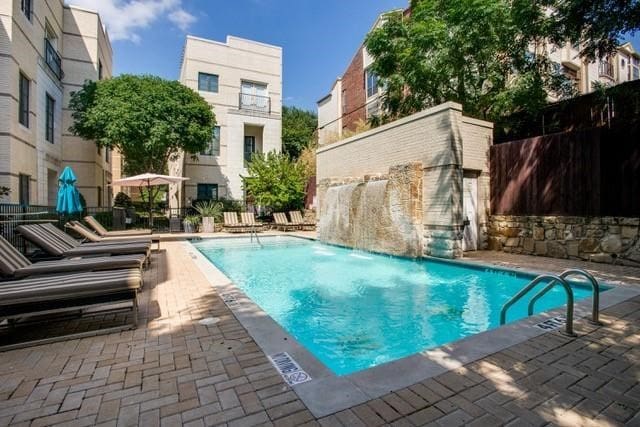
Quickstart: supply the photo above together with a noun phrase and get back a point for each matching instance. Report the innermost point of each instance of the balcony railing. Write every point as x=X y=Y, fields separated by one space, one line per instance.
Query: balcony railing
x=606 y=69
x=250 y=102
x=52 y=59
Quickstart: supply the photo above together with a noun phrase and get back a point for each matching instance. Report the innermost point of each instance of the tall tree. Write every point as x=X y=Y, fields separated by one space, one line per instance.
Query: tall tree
x=148 y=119
x=298 y=130
x=489 y=55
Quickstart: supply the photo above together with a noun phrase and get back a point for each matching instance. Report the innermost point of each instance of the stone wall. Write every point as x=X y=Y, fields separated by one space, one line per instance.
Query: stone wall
x=379 y=213
x=600 y=239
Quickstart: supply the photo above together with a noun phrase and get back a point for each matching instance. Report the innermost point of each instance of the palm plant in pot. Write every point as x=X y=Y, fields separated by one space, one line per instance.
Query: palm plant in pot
x=210 y=211
x=190 y=223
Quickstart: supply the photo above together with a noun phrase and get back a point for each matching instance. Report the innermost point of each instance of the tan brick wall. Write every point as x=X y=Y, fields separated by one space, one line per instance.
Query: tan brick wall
x=439 y=138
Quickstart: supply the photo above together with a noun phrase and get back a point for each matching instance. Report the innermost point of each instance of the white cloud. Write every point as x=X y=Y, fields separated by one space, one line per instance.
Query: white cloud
x=123 y=18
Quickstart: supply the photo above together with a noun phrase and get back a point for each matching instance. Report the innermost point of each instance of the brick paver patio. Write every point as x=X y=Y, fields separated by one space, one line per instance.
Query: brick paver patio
x=173 y=370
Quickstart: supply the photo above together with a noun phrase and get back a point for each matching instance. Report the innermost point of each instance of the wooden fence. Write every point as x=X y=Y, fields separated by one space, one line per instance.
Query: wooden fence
x=593 y=172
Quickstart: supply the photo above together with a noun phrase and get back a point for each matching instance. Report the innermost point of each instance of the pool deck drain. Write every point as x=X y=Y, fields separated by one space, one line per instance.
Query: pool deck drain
x=173 y=371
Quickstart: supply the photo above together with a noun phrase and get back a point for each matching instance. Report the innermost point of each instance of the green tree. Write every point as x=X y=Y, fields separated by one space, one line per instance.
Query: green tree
x=596 y=25
x=148 y=119
x=298 y=130
x=475 y=52
x=275 y=181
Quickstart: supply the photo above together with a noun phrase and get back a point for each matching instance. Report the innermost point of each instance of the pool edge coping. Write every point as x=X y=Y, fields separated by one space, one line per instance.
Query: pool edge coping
x=327 y=393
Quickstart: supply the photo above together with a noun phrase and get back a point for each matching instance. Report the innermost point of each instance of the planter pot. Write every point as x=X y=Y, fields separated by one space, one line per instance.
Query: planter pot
x=188 y=227
x=208 y=224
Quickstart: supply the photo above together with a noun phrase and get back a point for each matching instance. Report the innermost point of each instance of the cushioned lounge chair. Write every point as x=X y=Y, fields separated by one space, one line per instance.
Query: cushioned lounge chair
x=101 y=231
x=14 y=264
x=232 y=225
x=297 y=219
x=249 y=219
x=49 y=295
x=57 y=243
x=282 y=223
x=92 y=237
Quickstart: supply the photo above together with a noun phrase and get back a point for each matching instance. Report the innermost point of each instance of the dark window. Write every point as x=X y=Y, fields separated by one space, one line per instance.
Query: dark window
x=213 y=149
x=207 y=191
x=207 y=82
x=23 y=189
x=49 y=118
x=99 y=70
x=107 y=154
x=249 y=147
x=23 y=104
x=27 y=8
x=99 y=196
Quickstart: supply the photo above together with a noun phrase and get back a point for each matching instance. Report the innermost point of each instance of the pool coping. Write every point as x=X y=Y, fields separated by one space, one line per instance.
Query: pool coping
x=327 y=393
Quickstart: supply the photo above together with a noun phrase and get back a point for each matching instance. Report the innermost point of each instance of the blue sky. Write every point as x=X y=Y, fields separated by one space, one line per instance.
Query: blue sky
x=318 y=37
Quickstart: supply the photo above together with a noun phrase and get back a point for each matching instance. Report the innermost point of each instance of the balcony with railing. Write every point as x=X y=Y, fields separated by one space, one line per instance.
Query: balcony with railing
x=605 y=69
x=254 y=103
x=52 y=59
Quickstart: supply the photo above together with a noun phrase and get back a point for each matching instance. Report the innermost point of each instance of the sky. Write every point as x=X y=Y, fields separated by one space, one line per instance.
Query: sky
x=318 y=37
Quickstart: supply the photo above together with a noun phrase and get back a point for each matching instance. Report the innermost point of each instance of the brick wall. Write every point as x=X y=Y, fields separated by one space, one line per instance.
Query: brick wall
x=355 y=96
x=445 y=143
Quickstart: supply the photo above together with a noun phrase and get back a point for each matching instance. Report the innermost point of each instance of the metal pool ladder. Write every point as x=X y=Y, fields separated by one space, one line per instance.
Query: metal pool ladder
x=252 y=233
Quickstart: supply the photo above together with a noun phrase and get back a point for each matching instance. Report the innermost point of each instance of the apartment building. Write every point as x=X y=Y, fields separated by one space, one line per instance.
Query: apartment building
x=242 y=81
x=355 y=96
x=47 y=50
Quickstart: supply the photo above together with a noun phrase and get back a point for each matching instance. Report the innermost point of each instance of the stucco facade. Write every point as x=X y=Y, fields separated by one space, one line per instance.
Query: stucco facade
x=47 y=50
x=242 y=81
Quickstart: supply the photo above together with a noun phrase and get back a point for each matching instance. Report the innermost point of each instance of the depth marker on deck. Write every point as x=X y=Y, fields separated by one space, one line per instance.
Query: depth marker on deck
x=552 y=323
x=289 y=368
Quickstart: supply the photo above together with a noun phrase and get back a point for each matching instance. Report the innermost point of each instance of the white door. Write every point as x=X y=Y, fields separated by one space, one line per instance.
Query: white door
x=470 y=201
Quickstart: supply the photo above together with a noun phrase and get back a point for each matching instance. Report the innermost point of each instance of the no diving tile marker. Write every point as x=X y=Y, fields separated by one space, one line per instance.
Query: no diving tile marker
x=289 y=369
x=552 y=323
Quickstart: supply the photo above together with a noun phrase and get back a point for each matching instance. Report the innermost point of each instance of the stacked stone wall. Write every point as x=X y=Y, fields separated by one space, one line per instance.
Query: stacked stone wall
x=612 y=240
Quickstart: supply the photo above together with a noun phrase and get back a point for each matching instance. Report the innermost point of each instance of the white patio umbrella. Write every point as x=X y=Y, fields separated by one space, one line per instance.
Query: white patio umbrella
x=148 y=180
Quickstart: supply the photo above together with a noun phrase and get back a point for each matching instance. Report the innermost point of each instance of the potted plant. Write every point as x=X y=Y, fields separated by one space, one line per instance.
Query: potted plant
x=210 y=211
x=190 y=223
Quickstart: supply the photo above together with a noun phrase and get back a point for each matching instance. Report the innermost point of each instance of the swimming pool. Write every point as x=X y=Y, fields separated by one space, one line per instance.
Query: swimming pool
x=355 y=310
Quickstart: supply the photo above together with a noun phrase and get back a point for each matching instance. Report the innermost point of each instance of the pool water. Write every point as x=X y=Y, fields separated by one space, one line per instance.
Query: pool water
x=354 y=310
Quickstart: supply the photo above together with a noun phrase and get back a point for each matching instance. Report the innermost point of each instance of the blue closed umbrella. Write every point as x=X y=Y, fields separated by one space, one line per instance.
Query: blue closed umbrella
x=68 y=196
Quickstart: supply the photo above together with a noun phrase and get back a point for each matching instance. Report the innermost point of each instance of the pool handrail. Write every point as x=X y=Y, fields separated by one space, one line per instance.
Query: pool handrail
x=554 y=280
x=595 y=289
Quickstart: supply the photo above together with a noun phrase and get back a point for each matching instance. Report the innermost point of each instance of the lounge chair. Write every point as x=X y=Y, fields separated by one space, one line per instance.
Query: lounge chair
x=49 y=295
x=102 y=232
x=59 y=244
x=249 y=219
x=232 y=225
x=282 y=223
x=92 y=237
x=14 y=264
x=297 y=219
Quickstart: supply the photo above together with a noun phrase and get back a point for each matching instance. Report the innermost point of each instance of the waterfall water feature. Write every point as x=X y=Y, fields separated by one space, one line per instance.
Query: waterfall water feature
x=369 y=216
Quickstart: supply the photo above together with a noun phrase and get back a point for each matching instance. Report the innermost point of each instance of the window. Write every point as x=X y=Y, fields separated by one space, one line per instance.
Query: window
x=23 y=103
x=606 y=67
x=49 y=118
x=213 y=149
x=207 y=191
x=207 y=82
x=371 y=81
x=107 y=154
x=254 y=96
x=27 y=8
x=249 y=147
x=99 y=70
x=99 y=195
x=23 y=189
